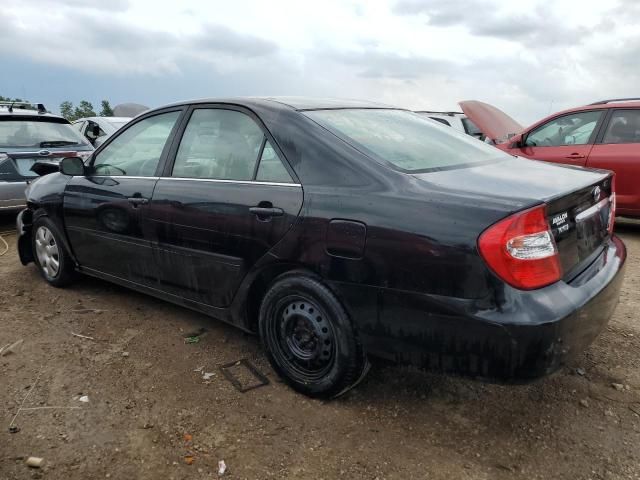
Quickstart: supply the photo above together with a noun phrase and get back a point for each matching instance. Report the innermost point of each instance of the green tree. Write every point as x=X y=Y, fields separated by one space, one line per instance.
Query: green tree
x=106 y=111
x=66 y=110
x=84 y=109
x=9 y=99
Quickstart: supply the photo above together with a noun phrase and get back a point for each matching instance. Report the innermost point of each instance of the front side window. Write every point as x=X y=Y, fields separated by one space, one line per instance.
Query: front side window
x=572 y=129
x=219 y=144
x=38 y=134
x=624 y=127
x=404 y=139
x=137 y=151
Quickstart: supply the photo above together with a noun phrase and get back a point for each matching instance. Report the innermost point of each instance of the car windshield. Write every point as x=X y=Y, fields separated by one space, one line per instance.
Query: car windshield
x=405 y=140
x=16 y=133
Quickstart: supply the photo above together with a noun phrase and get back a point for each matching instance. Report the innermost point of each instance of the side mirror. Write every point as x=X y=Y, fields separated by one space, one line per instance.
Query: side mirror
x=72 y=166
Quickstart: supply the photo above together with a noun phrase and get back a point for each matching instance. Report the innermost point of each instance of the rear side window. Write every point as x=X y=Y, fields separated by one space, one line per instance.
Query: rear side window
x=137 y=151
x=38 y=134
x=219 y=144
x=405 y=140
x=624 y=127
x=271 y=168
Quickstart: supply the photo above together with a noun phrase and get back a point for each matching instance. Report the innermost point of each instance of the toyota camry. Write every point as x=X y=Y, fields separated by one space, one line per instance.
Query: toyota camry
x=337 y=231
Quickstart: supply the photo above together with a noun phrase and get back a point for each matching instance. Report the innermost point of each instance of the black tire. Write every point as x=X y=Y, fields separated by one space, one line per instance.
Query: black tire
x=50 y=255
x=308 y=336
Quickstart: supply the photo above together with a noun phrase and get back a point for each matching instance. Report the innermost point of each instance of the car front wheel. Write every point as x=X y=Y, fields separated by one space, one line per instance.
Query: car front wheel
x=309 y=338
x=50 y=255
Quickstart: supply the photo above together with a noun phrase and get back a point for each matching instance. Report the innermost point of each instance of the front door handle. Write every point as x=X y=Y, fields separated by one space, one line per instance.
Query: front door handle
x=135 y=201
x=264 y=212
x=575 y=156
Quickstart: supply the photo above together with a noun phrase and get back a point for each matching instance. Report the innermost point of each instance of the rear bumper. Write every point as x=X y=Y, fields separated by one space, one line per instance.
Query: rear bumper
x=515 y=336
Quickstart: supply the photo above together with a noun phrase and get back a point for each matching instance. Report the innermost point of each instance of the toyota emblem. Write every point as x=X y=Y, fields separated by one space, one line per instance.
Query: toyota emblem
x=44 y=153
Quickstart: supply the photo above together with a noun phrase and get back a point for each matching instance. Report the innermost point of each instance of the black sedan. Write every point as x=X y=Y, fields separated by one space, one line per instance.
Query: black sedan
x=339 y=230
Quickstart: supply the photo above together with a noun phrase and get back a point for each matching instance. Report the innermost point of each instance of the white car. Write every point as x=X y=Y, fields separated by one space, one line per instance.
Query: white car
x=98 y=129
x=457 y=120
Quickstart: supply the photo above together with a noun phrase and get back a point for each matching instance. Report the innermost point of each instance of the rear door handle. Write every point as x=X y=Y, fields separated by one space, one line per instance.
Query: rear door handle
x=135 y=201
x=575 y=155
x=266 y=211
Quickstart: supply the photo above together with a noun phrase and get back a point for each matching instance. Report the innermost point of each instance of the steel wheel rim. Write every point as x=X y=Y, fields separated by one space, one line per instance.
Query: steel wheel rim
x=304 y=338
x=47 y=252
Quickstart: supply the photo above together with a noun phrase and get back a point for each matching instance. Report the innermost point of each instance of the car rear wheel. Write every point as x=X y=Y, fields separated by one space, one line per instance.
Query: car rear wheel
x=309 y=338
x=50 y=255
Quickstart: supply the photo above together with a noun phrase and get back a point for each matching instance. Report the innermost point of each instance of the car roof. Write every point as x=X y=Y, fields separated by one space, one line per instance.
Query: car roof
x=26 y=112
x=295 y=103
x=600 y=106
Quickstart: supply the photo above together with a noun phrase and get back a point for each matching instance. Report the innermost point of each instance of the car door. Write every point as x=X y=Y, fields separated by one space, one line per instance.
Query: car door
x=225 y=200
x=618 y=149
x=104 y=212
x=563 y=139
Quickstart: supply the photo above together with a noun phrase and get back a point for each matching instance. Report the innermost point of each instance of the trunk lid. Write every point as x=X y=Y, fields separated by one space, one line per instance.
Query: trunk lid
x=494 y=123
x=577 y=200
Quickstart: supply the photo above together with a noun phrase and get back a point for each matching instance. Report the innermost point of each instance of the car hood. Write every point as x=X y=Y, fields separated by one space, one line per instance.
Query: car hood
x=494 y=123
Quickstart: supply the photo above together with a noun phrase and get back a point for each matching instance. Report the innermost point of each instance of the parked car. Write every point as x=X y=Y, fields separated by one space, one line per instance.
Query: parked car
x=28 y=134
x=98 y=129
x=457 y=120
x=337 y=230
x=604 y=134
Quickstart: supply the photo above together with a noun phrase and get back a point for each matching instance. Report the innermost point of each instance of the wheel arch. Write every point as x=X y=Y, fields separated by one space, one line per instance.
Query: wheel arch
x=58 y=224
x=260 y=282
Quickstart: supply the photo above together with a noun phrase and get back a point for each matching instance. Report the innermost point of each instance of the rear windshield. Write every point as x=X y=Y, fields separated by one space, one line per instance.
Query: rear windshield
x=405 y=140
x=17 y=133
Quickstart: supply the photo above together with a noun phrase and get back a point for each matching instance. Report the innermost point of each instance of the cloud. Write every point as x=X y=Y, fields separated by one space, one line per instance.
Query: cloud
x=376 y=64
x=537 y=28
x=118 y=46
x=525 y=56
x=220 y=39
x=99 y=5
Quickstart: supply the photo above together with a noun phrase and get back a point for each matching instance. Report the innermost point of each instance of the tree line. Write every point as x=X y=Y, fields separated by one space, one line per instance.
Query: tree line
x=71 y=113
x=84 y=109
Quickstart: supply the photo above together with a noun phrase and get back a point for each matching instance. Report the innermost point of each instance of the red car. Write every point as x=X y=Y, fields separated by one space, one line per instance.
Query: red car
x=605 y=134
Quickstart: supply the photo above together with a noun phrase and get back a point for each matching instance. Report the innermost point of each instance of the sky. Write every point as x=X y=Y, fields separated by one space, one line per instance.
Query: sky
x=530 y=58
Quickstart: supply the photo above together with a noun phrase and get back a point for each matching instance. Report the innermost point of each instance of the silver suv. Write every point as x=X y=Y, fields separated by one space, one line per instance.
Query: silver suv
x=29 y=134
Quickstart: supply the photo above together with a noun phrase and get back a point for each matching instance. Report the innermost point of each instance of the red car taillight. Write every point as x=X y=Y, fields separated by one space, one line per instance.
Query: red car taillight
x=521 y=250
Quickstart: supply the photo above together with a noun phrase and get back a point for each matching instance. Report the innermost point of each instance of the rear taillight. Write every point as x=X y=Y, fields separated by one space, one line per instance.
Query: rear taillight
x=612 y=205
x=521 y=250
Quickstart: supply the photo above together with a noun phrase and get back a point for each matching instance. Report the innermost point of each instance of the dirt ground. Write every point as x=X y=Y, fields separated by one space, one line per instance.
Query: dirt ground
x=150 y=412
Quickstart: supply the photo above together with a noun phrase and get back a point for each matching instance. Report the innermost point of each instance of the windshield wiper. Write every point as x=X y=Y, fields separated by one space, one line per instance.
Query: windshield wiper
x=56 y=143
